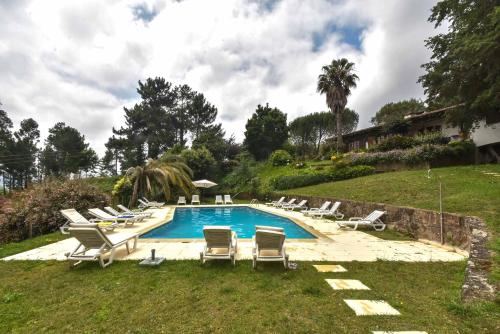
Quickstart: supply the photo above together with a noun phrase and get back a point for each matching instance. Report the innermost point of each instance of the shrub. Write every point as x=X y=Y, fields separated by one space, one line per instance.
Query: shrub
x=200 y=160
x=400 y=142
x=280 y=158
x=335 y=174
x=40 y=205
x=413 y=156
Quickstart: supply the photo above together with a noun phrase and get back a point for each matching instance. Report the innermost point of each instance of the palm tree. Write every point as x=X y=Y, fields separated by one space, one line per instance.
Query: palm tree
x=160 y=176
x=336 y=82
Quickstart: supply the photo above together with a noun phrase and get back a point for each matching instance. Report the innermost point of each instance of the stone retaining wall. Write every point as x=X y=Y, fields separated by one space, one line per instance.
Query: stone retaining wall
x=464 y=232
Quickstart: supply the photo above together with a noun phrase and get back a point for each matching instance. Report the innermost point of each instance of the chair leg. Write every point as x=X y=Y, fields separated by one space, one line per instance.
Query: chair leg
x=254 y=263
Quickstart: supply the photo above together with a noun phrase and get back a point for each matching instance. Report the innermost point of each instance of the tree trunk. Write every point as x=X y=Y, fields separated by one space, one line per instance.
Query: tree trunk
x=338 y=115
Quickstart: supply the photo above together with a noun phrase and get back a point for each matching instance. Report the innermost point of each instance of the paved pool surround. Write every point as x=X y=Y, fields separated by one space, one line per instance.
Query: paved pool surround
x=331 y=244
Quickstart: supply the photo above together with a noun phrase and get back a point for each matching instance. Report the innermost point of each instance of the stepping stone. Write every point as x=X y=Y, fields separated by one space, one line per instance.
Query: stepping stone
x=370 y=307
x=346 y=284
x=403 y=332
x=329 y=268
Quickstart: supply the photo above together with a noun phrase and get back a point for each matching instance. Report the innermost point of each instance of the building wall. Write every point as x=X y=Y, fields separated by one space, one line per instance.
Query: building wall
x=486 y=134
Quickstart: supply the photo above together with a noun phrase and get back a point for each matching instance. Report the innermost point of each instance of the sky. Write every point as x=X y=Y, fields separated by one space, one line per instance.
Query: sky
x=79 y=61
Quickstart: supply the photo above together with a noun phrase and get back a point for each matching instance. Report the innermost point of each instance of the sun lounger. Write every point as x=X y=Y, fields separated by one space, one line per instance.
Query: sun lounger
x=140 y=215
x=146 y=205
x=153 y=203
x=221 y=243
x=227 y=199
x=74 y=217
x=181 y=200
x=129 y=220
x=94 y=245
x=126 y=210
x=218 y=199
x=278 y=202
x=195 y=199
x=289 y=203
x=373 y=220
x=301 y=205
x=333 y=212
x=324 y=207
x=269 y=245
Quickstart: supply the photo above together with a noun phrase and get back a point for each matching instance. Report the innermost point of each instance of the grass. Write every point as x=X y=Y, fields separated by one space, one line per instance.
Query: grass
x=183 y=296
x=103 y=183
x=18 y=247
x=466 y=190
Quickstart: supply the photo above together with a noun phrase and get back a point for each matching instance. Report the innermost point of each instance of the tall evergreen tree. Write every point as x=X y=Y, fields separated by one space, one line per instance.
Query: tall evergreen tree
x=202 y=115
x=266 y=131
x=184 y=96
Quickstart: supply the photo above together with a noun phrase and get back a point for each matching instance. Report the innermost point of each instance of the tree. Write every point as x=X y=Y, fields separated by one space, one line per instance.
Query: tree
x=200 y=160
x=182 y=120
x=303 y=134
x=396 y=111
x=266 y=131
x=212 y=138
x=66 y=151
x=25 y=147
x=336 y=81
x=464 y=65
x=159 y=177
x=202 y=115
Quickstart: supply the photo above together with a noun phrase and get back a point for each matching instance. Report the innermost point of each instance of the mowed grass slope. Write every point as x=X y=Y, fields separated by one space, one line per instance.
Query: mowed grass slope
x=185 y=297
x=467 y=190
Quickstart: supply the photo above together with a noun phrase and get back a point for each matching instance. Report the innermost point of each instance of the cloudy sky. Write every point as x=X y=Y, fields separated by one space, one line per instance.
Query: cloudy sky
x=79 y=61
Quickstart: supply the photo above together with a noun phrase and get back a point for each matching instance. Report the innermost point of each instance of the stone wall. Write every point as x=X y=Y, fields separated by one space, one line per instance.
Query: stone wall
x=418 y=223
x=468 y=233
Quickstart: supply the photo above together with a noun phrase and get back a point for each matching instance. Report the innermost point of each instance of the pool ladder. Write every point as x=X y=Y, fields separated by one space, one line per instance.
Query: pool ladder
x=254 y=202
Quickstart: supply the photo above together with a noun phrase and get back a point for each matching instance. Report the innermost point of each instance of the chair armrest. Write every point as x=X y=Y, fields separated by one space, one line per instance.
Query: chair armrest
x=355 y=218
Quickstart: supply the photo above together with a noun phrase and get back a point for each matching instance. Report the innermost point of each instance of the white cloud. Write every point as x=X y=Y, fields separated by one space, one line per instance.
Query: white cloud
x=79 y=61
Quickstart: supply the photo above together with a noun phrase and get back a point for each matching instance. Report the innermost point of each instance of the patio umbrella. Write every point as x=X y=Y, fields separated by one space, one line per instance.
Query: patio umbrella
x=204 y=184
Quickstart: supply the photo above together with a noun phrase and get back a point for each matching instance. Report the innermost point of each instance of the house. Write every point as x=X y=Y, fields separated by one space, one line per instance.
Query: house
x=486 y=135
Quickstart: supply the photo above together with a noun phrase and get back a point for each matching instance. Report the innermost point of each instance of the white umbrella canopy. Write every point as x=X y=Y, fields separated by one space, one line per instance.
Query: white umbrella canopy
x=204 y=184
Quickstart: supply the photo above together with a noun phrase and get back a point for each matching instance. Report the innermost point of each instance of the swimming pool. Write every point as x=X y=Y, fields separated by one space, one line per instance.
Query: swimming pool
x=188 y=223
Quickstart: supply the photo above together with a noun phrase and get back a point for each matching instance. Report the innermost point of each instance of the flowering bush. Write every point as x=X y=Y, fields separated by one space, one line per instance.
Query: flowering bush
x=413 y=156
x=39 y=207
x=280 y=158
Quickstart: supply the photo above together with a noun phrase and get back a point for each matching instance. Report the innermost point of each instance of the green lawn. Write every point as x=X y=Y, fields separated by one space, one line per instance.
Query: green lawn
x=466 y=190
x=185 y=297
x=18 y=247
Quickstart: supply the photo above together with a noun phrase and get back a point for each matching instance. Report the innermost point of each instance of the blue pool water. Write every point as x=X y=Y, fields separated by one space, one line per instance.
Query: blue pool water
x=188 y=223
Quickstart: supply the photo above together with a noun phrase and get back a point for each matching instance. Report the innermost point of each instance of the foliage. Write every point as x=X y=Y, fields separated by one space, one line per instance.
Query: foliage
x=163 y=118
x=67 y=152
x=200 y=160
x=334 y=174
x=18 y=150
x=39 y=206
x=395 y=111
x=415 y=155
x=280 y=158
x=103 y=183
x=405 y=142
x=310 y=131
x=336 y=81
x=159 y=177
x=464 y=65
x=266 y=131
x=238 y=180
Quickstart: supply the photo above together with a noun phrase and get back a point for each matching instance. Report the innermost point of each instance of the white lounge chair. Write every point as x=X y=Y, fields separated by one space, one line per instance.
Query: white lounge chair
x=195 y=199
x=333 y=212
x=154 y=203
x=289 y=203
x=126 y=210
x=310 y=211
x=95 y=245
x=218 y=199
x=74 y=217
x=181 y=200
x=129 y=220
x=301 y=205
x=373 y=220
x=269 y=245
x=146 y=205
x=278 y=202
x=221 y=243
x=139 y=215
x=227 y=199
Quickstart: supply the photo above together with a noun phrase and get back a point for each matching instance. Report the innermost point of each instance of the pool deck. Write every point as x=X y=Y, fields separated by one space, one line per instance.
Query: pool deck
x=331 y=244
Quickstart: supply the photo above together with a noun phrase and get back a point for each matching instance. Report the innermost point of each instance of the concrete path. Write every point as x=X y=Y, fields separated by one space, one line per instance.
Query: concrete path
x=332 y=244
